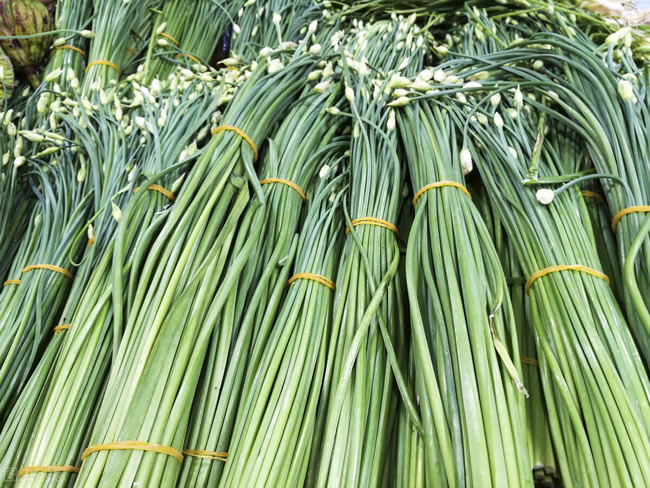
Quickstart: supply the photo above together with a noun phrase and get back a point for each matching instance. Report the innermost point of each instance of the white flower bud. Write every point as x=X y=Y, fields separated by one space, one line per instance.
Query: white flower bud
x=59 y=42
x=426 y=75
x=87 y=34
x=466 y=162
x=498 y=120
x=333 y=111
x=495 y=99
x=626 y=91
x=50 y=77
x=400 y=102
x=312 y=27
x=161 y=28
x=19 y=161
x=519 y=98
x=538 y=65
x=545 y=196
x=322 y=87
x=420 y=85
x=513 y=152
x=32 y=136
x=277 y=18
x=324 y=171
x=117 y=213
x=390 y=125
x=11 y=129
x=315 y=49
x=349 y=94
x=439 y=76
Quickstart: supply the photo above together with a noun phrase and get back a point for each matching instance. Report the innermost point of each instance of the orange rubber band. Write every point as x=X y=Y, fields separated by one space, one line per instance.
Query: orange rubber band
x=531 y=361
x=439 y=184
x=91 y=241
x=628 y=211
x=239 y=132
x=46 y=469
x=314 y=277
x=569 y=267
x=134 y=446
x=290 y=184
x=49 y=267
x=73 y=48
x=104 y=63
x=12 y=282
x=61 y=328
x=161 y=190
x=187 y=55
x=131 y=50
x=373 y=221
x=592 y=194
x=170 y=38
x=214 y=456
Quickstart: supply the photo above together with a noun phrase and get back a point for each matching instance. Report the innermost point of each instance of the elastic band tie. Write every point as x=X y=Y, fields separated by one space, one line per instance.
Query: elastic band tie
x=314 y=277
x=91 y=241
x=73 y=48
x=60 y=328
x=290 y=184
x=239 y=132
x=131 y=50
x=440 y=184
x=373 y=221
x=46 y=469
x=161 y=190
x=163 y=34
x=103 y=62
x=628 y=211
x=592 y=194
x=187 y=55
x=569 y=267
x=214 y=456
x=531 y=361
x=134 y=446
x=12 y=282
x=49 y=267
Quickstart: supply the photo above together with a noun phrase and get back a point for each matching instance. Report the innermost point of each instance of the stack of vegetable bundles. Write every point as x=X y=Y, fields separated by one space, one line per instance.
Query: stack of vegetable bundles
x=309 y=243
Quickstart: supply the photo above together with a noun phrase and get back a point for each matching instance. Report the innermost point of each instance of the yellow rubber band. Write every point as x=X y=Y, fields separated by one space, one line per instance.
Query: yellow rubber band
x=628 y=211
x=61 y=328
x=91 y=241
x=163 y=34
x=290 y=184
x=131 y=50
x=592 y=194
x=439 y=184
x=49 y=267
x=373 y=221
x=46 y=469
x=531 y=361
x=12 y=282
x=102 y=62
x=313 y=277
x=187 y=55
x=214 y=456
x=570 y=267
x=133 y=446
x=161 y=190
x=239 y=132
x=67 y=46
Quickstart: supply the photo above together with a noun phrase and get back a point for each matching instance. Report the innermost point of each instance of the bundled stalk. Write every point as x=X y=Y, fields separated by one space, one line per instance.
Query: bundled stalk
x=461 y=317
x=113 y=27
x=302 y=142
x=69 y=52
x=368 y=348
x=168 y=327
x=273 y=437
x=41 y=273
x=189 y=35
x=595 y=385
x=79 y=374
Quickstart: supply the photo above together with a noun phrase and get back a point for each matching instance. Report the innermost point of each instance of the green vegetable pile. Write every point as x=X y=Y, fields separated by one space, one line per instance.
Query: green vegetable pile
x=314 y=243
